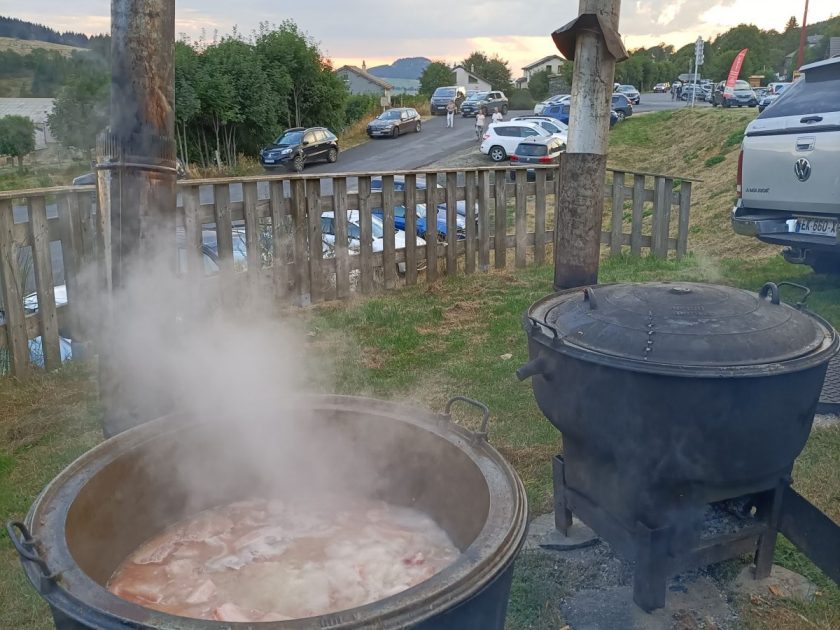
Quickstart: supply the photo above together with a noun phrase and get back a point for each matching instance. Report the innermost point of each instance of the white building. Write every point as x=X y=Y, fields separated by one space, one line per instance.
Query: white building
x=470 y=80
x=36 y=110
x=553 y=64
x=360 y=81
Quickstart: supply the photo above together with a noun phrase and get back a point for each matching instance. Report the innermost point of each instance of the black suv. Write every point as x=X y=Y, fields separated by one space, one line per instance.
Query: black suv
x=299 y=146
x=488 y=100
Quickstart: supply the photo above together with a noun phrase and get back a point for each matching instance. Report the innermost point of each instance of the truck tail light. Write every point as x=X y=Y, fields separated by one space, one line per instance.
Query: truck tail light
x=740 y=179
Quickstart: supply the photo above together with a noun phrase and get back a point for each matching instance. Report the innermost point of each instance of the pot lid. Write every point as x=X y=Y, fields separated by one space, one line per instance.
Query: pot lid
x=681 y=325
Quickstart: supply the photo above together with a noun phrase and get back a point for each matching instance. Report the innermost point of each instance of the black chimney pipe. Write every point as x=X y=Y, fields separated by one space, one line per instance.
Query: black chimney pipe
x=142 y=197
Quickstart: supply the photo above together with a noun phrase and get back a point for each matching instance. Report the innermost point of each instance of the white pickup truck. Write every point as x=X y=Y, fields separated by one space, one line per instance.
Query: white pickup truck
x=789 y=171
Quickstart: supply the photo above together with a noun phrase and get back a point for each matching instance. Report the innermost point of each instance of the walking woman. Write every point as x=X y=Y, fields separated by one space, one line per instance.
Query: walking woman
x=450 y=114
x=480 y=121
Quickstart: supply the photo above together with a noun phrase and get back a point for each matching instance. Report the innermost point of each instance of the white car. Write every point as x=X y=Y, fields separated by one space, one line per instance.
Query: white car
x=502 y=138
x=354 y=233
x=539 y=107
x=553 y=126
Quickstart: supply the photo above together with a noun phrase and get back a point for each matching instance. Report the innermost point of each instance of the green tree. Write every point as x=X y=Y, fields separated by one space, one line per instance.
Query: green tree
x=791 y=24
x=538 y=84
x=494 y=70
x=17 y=137
x=80 y=110
x=436 y=74
x=187 y=103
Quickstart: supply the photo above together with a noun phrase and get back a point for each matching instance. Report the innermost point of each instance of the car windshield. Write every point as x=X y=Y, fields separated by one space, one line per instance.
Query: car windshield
x=391 y=114
x=289 y=138
x=742 y=85
x=478 y=96
x=531 y=149
x=626 y=88
x=444 y=92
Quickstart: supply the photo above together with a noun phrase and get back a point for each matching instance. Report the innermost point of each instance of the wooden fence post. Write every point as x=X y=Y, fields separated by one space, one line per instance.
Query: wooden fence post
x=389 y=262
x=17 y=340
x=342 y=254
x=470 y=220
x=638 y=215
x=520 y=223
x=431 y=228
x=302 y=259
x=39 y=235
x=685 y=209
x=539 y=217
x=316 y=253
x=451 y=223
x=366 y=281
x=483 y=220
x=617 y=212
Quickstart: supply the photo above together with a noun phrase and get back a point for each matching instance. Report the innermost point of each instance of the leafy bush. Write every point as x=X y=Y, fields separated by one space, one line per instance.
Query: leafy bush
x=521 y=99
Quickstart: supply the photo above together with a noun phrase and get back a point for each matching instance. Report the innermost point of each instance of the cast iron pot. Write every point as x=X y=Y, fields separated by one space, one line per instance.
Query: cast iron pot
x=671 y=394
x=131 y=487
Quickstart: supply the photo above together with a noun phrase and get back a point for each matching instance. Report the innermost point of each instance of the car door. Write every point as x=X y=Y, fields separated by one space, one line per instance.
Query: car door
x=309 y=146
x=405 y=121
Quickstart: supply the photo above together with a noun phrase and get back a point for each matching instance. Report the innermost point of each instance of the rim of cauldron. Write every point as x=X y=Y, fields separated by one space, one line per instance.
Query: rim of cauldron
x=90 y=602
x=546 y=335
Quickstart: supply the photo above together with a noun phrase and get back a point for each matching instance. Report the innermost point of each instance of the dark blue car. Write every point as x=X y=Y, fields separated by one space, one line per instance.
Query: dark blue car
x=399 y=211
x=560 y=111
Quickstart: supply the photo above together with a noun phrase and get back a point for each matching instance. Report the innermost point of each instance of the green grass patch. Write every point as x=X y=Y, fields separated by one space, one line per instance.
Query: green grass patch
x=715 y=159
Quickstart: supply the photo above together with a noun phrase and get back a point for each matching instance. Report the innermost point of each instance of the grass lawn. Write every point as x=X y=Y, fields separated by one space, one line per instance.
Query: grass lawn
x=464 y=336
x=427 y=344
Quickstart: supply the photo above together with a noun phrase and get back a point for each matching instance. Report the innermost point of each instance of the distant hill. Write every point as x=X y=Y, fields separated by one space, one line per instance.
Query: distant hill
x=20 y=29
x=26 y=46
x=406 y=68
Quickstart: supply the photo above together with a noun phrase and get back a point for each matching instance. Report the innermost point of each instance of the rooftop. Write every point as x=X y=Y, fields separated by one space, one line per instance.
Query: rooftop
x=367 y=76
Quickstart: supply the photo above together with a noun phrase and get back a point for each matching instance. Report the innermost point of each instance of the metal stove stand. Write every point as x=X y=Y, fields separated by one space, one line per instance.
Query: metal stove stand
x=731 y=528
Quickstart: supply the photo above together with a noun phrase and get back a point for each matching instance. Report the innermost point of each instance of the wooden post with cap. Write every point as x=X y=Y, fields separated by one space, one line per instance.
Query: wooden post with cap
x=593 y=42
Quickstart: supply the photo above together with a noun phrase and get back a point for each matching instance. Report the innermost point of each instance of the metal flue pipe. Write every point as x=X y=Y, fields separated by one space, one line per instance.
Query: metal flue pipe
x=140 y=226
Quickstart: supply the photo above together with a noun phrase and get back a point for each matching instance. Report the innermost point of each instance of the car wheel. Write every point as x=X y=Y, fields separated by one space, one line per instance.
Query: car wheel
x=620 y=115
x=332 y=155
x=297 y=163
x=395 y=133
x=824 y=263
x=497 y=154
x=418 y=127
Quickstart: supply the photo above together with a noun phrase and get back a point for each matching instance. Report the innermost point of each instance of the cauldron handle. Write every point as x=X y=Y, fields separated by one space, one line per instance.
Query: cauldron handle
x=24 y=544
x=771 y=289
x=485 y=413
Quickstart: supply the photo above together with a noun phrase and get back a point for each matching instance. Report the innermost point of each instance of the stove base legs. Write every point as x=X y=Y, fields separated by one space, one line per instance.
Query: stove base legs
x=769 y=509
x=650 y=580
x=562 y=513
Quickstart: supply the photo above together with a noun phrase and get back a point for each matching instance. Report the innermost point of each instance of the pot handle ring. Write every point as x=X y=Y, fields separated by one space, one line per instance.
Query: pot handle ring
x=485 y=413
x=24 y=544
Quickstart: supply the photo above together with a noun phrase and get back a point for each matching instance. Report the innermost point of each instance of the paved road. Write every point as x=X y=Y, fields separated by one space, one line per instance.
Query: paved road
x=660 y=102
x=410 y=151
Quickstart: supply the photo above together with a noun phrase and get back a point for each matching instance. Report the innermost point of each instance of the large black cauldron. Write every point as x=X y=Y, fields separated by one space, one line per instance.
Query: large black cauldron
x=132 y=486
x=675 y=395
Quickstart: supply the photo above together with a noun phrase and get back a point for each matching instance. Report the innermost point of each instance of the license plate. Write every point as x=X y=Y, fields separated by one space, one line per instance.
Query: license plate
x=269 y=161
x=819 y=227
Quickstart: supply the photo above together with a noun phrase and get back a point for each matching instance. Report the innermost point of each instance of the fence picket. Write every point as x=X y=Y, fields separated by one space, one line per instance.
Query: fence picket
x=298 y=188
x=316 y=252
x=410 y=229
x=366 y=248
x=17 y=340
x=659 y=248
x=388 y=246
x=682 y=229
x=39 y=235
x=342 y=254
x=280 y=241
x=483 y=221
x=539 y=217
x=469 y=219
x=431 y=227
x=617 y=212
x=224 y=237
x=451 y=223
x=252 y=234
x=638 y=215
x=500 y=220
x=521 y=225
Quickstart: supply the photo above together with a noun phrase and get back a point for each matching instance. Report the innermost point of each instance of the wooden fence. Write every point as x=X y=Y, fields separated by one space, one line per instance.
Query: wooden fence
x=52 y=237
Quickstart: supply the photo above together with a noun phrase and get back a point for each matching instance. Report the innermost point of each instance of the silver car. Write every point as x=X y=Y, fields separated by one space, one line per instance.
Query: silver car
x=789 y=171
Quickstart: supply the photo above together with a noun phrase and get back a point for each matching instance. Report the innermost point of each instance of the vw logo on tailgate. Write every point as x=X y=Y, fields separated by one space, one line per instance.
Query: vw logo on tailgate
x=802 y=169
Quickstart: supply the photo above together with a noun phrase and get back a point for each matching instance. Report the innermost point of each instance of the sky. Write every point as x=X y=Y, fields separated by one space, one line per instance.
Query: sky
x=379 y=31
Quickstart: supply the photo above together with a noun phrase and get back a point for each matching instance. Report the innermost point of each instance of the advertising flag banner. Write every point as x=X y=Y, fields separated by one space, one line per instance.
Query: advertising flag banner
x=734 y=71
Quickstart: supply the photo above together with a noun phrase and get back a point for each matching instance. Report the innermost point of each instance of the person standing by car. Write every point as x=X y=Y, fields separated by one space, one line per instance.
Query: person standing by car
x=450 y=114
x=480 y=121
x=673 y=93
x=497 y=116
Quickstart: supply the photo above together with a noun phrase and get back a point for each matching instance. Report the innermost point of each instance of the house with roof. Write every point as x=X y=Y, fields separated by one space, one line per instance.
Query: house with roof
x=360 y=81
x=470 y=80
x=552 y=64
x=36 y=110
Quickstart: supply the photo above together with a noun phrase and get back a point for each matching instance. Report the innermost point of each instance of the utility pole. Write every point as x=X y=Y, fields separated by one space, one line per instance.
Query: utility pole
x=593 y=42
x=803 y=34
